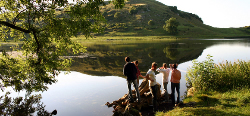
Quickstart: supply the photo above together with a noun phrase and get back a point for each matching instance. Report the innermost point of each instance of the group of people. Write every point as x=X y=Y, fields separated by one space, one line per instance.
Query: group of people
x=132 y=72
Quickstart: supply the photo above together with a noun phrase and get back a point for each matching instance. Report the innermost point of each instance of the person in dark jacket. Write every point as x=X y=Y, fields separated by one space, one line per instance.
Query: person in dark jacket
x=130 y=71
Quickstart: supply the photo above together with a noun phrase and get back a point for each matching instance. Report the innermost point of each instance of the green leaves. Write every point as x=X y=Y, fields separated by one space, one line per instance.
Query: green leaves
x=118 y=3
x=218 y=77
x=22 y=106
x=171 y=26
x=45 y=34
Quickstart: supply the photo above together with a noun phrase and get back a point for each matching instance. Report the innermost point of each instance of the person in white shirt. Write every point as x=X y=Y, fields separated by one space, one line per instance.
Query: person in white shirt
x=153 y=85
x=165 y=73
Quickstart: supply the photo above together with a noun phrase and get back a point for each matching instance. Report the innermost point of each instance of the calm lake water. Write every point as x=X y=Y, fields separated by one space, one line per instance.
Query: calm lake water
x=96 y=77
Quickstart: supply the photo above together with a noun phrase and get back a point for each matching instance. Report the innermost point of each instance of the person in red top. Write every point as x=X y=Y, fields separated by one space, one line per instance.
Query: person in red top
x=130 y=71
x=138 y=74
x=175 y=82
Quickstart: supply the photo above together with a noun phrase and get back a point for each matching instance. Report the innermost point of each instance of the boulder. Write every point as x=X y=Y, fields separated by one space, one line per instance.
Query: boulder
x=122 y=106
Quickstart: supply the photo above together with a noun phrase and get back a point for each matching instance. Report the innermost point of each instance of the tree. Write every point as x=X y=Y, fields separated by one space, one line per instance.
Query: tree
x=45 y=38
x=171 y=26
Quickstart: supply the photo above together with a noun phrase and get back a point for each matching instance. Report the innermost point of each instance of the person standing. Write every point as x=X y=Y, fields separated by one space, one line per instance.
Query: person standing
x=175 y=82
x=153 y=85
x=138 y=74
x=130 y=71
x=165 y=73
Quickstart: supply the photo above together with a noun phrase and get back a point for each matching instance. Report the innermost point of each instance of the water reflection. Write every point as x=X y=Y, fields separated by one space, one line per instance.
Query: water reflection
x=97 y=78
x=109 y=58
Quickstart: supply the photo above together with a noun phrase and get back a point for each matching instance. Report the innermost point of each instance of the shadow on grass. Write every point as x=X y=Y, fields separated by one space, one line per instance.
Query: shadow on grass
x=211 y=106
x=212 y=102
x=213 y=112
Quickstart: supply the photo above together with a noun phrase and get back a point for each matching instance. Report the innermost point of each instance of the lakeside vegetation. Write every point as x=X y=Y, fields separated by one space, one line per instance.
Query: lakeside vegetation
x=217 y=89
x=147 y=18
x=40 y=37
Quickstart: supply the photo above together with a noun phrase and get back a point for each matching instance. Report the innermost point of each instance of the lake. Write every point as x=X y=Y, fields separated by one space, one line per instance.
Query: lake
x=96 y=76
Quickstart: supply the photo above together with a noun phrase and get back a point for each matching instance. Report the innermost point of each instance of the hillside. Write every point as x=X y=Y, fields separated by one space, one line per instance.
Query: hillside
x=132 y=20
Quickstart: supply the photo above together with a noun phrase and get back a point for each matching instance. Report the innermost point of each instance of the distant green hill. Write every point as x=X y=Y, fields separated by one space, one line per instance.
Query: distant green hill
x=132 y=20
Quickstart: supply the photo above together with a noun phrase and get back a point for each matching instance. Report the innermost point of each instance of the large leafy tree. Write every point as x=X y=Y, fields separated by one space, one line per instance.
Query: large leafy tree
x=171 y=26
x=44 y=28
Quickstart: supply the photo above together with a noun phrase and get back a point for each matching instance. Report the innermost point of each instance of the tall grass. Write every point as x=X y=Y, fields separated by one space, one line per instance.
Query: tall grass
x=222 y=77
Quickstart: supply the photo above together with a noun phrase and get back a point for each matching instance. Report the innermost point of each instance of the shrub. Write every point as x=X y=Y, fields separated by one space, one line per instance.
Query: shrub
x=200 y=73
x=196 y=17
x=173 y=9
x=138 y=28
x=151 y=23
x=247 y=27
x=133 y=10
x=117 y=15
x=218 y=77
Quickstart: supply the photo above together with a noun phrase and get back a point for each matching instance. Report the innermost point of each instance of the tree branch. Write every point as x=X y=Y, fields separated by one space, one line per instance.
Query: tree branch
x=14 y=27
x=38 y=47
x=14 y=21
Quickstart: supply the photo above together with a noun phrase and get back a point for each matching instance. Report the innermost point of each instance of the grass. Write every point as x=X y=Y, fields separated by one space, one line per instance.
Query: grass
x=219 y=89
x=137 y=24
x=231 y=103
x=132 y=39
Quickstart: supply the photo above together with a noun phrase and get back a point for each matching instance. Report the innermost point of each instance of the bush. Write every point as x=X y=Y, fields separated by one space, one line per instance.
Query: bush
x=222 y=77
x=133 y=10
x=151 y=23
x=138 y=28
x=173 y=9
x=196 y=17
x=117 y=15
x=247 y=27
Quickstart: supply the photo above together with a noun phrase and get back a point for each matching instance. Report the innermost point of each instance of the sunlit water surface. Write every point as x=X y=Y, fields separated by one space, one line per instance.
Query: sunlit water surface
x=78 y=94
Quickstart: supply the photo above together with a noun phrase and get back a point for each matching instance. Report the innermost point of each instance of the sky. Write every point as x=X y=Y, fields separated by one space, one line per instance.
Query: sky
x=216 y=13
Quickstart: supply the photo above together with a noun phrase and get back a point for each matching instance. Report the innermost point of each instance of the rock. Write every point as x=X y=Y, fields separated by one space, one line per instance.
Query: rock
x=108 y=104
x=122 y=107
x=119 y=108
x=130 y=111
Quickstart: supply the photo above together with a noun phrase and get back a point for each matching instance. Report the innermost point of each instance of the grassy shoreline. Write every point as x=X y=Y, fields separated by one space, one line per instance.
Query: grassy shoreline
x=82 y=38
x=138 y=38
x=231 y=103
x=217 y=89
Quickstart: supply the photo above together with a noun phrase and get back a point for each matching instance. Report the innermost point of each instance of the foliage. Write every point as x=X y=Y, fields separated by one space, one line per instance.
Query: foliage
x=247 y=27
x=171 y=26
x=46 y=37
x=151 y=23
x=120 y=26
x=190 y=25
x=22 y=107
x=230 y=103
x=45 y=28
x=173 y=9
x=201 y=74
x=117 y=15
x=196 y=17
x=133 y=10
x=222 y=77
